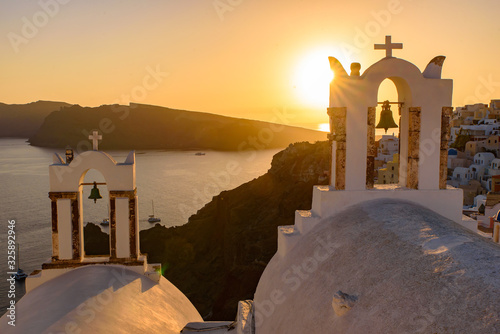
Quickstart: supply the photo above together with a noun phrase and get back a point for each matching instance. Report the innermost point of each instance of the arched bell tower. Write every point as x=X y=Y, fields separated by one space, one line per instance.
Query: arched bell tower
x=425 y=101
x=66 y=185
x=425 y=106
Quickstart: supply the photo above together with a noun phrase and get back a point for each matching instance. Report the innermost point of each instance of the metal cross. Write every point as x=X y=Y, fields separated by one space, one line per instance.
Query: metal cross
x=95 y=137
x=388 y=46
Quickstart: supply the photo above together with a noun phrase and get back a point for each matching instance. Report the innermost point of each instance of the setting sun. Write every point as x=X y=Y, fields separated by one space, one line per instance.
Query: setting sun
x=312 y=79
x=324 y=127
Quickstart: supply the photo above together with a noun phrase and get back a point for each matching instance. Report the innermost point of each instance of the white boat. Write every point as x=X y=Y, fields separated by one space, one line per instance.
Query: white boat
x=105 y=221
x=152 y=218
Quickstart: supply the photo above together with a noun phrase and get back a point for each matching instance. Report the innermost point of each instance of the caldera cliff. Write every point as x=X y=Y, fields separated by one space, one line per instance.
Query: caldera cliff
x=218 y=256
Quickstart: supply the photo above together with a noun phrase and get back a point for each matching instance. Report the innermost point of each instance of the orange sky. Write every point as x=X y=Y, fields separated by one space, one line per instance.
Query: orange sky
x=243 y=58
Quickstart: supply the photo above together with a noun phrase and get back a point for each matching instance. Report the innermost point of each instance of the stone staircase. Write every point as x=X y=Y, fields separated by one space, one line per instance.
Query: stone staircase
x=305 y=220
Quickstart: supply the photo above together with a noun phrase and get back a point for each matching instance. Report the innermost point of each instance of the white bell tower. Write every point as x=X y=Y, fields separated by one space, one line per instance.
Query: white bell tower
x=425 y=106
x=66 y=185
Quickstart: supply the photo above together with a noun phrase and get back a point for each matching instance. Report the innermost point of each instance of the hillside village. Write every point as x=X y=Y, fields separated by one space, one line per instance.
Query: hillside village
x=473 y=160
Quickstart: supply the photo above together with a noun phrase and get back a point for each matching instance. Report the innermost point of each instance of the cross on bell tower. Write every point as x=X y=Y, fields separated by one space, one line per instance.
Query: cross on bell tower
x=95 y=137
x=388 y=46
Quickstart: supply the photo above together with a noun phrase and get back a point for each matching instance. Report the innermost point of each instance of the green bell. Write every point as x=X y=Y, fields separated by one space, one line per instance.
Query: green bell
x=94 y=193
x=386 y=120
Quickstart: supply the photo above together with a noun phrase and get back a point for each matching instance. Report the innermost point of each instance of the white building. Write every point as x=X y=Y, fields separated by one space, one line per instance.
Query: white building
x=478 y=200
x=478 y=131
x=494 y=167
x=480 y=169
x=462 y=175
x=478 y=172
x=387 y=147
x=483 y=158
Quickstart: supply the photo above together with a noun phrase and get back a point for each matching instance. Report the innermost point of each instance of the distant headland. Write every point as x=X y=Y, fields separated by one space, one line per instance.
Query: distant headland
x=139 y=126
x=24 y=120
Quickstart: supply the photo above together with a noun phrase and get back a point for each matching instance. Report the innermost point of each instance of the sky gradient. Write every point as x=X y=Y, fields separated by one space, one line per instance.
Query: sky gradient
x=242 y=58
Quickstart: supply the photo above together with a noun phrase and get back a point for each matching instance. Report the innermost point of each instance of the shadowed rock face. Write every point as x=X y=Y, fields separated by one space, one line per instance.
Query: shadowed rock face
x=150 y=127
x=384 y=266
x=217 y=258
x=96 y=241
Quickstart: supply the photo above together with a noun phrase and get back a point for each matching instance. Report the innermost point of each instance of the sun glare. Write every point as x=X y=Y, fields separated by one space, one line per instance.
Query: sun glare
x=324 y=127
x=312 y=80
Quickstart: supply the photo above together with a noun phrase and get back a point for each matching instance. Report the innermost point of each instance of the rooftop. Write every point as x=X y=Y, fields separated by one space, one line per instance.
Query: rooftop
x=102 y=299
x=390 y=267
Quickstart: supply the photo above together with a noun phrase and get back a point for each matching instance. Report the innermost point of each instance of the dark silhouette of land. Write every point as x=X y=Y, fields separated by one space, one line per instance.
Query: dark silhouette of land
x=218 y=257
x=24 y=120
x=150 y=127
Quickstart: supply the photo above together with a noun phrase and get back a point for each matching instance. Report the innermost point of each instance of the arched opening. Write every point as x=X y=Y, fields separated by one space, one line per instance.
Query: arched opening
x=95 y=216
x=386 y=165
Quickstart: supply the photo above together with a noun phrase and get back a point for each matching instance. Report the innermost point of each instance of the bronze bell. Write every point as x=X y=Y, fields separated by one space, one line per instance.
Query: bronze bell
x=386 y=120
x=94 y=193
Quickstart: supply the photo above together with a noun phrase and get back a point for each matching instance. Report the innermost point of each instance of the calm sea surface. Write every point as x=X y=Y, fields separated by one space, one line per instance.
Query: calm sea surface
x=176 y=183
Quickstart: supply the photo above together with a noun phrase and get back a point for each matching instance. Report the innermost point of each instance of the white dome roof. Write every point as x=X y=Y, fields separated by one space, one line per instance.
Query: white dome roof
x=102 y=299
x=405 y=269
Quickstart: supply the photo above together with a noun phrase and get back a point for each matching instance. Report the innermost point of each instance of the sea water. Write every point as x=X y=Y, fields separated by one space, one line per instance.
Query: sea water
x=176 y=183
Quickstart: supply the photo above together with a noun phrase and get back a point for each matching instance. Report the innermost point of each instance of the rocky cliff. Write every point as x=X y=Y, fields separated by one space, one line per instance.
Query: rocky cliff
x=96 y=242
x=149 y=127
x=217 y=258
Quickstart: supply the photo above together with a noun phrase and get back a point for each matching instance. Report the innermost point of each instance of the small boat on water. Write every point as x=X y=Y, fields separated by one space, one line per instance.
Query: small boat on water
x=105 y=221
x=199 y=153
x=20 y=274
x=152 y=218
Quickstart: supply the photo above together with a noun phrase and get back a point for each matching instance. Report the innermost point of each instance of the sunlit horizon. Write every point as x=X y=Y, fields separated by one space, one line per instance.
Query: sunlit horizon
x=244 y=62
